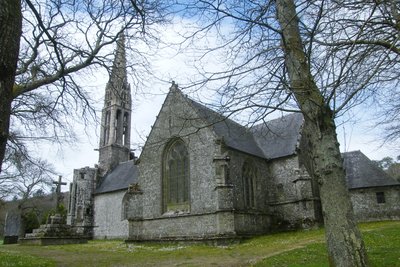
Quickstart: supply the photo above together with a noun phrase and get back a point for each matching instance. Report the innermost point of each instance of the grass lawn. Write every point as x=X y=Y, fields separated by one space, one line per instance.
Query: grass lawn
x=302 y=248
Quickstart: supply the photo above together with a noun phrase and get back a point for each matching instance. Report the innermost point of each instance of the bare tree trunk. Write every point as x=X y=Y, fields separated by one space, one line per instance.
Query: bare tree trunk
x=10 y=34
x=344 y=241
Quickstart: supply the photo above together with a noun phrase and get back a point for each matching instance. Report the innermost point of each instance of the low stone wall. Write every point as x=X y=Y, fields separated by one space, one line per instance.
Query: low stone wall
x=184 y=227
x=252 y=223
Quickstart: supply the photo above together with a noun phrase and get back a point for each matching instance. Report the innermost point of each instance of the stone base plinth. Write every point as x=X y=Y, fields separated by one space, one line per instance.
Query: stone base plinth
x=10 y=240
x=47 y=241
x=53 y=233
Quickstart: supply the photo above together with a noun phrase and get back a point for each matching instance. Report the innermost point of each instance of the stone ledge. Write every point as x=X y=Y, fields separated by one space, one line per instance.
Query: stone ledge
x=183 y=215
x=47 y=241
x=13 y=239
x=214 y=241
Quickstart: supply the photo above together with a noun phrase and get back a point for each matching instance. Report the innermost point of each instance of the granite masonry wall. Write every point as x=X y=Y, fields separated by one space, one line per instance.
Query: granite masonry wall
x=177 y=119
x=80 y=206
x=250 y=220
x=367 y=208
x=292 y=195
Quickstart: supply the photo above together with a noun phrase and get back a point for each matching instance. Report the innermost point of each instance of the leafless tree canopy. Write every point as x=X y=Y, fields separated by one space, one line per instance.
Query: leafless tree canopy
x=351 y=46
x=23 y=176
x=62 y=45
x=389 y=117
x=322 y=57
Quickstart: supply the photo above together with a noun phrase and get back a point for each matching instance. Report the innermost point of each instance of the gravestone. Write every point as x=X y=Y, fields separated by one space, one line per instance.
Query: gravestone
x=12 y=227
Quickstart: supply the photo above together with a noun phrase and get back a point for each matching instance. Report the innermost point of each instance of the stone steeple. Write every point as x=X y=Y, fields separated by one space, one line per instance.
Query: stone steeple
x=114 y=144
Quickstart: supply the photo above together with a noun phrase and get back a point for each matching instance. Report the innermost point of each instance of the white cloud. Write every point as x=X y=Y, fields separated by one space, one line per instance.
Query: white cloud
x=170 y=64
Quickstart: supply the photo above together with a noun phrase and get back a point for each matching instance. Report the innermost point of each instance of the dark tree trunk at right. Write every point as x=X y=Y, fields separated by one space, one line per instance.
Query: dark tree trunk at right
x=345 y=245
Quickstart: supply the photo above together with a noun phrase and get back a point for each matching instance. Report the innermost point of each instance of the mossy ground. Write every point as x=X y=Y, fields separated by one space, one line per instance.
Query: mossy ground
x=301 y=248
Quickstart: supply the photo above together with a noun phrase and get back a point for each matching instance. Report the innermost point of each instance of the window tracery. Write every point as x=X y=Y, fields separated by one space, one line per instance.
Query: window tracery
x=176 y=177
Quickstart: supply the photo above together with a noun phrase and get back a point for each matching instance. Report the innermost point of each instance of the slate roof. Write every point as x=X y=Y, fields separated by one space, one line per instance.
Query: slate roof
x=234 y=135
x=273 y=139
x=120 y=178
x=279 y=137
x=361 y=172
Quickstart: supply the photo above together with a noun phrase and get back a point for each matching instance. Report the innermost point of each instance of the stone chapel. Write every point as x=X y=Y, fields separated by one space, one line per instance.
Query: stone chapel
x=202 y=176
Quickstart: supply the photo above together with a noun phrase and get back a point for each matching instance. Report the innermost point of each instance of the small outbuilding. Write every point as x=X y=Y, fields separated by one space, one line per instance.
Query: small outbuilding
x=374 y=194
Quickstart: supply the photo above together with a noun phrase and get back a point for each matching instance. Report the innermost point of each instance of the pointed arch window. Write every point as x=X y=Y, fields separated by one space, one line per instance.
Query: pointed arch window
x=106 y=128
x=176 y=189
x=118 y=127
x=125 y=130
x=249 y=176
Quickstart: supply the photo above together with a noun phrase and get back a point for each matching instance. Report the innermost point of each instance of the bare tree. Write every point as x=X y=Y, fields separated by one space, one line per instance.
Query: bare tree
x=320 y=58
x=345 y=245
x=389 y=117
x=47 y=45
x=22 y=176
x=21 y=179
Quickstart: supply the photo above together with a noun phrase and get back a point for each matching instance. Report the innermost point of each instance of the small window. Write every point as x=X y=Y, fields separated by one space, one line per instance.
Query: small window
x=79 y=214
x=380 y=197
x=170 y=122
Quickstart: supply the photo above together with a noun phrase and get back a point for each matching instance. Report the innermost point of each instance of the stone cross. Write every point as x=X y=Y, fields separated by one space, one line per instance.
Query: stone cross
x=58 y=189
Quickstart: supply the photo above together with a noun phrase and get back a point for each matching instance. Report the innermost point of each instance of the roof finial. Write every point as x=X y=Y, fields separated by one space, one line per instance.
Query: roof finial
x=174 y=86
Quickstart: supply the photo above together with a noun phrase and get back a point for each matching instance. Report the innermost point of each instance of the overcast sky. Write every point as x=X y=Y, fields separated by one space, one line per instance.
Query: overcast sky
x=356 y=133
x=352 y=136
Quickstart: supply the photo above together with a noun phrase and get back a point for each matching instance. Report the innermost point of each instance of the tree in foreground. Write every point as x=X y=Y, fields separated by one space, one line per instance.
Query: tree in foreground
x=320 y=58
x=389 y=117
x=48 y=51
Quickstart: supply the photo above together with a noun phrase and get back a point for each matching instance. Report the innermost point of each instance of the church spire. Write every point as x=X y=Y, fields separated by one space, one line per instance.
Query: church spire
x=118 y=75
x=116 y=114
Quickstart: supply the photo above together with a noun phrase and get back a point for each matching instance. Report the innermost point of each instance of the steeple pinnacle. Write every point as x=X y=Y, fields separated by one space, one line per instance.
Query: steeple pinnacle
x=116 y=115
x=119 y=66
x=118 y=78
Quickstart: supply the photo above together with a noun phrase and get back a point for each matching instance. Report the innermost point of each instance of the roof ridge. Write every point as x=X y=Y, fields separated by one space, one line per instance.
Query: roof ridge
x=357 y=178
x=223 y=126
x=216 y=112
x=291 y=114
